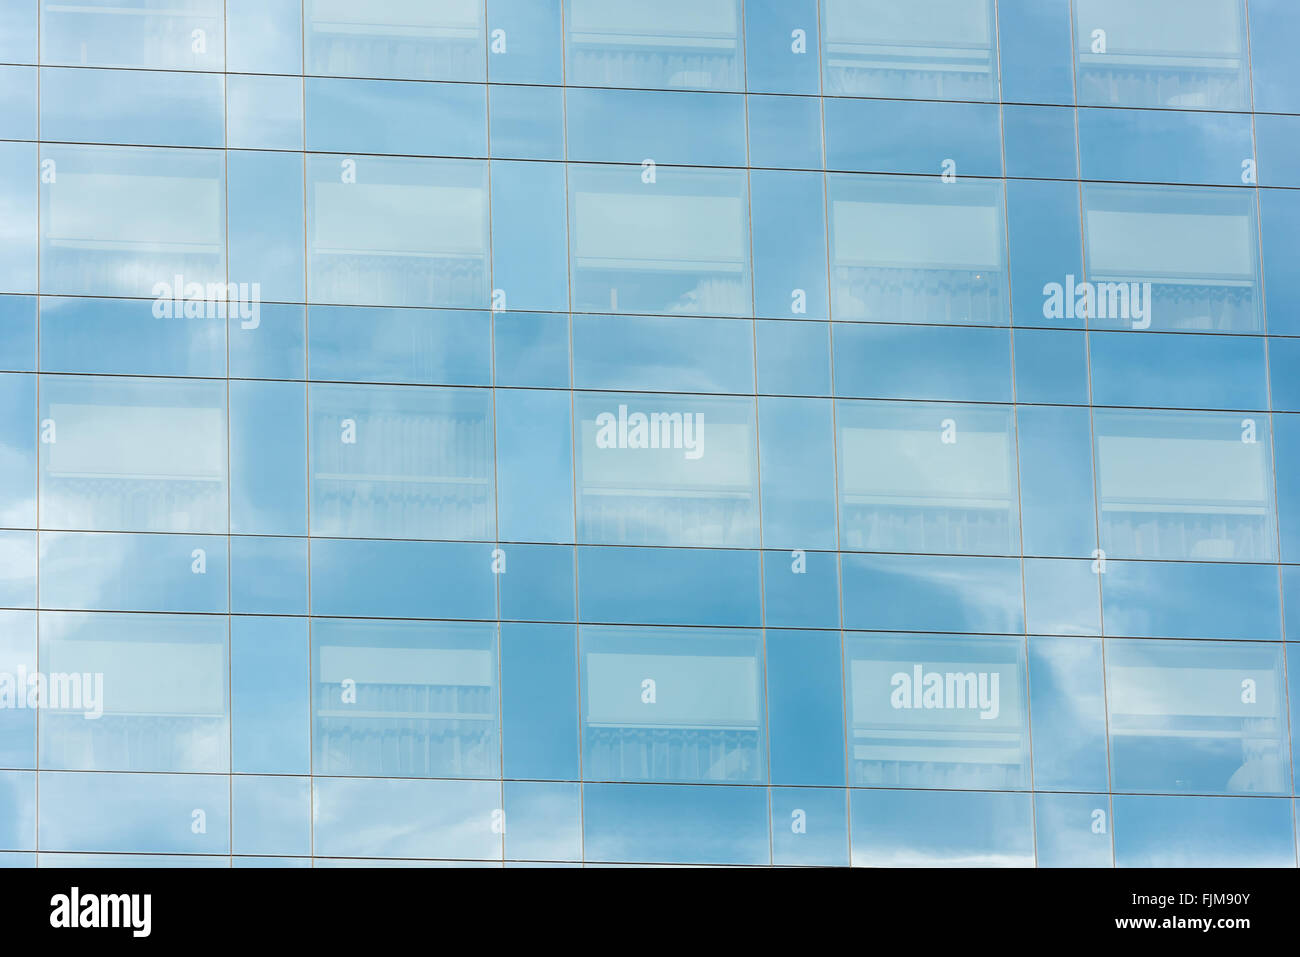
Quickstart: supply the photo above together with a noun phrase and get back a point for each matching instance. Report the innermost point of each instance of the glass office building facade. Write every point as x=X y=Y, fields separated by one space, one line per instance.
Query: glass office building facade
x=789 y=432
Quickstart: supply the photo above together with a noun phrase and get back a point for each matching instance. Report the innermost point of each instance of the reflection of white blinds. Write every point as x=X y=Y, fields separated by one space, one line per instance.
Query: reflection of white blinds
x=911 y=466
x=918 y=23
x=1134 y=469
x=724 y=466
x=364 y=664
x=917 y=235
x=872 y=688
x=147 y=677
x=1191 y=692
x=111 y=209
x=675 y=22
x=399 y=220
x=658 y=231
x=1160 y=27
x=138 y=441
x=1170 y=245
x=690 y=690
x=406 y=18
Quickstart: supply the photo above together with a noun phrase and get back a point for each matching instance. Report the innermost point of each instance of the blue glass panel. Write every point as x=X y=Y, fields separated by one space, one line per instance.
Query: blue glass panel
x=801 y=589
x=537 y=584
x=129 y=454
x=18 y=333
x=1051 y=366
x=937 y=828
x=1188 y=54
x=793 y=358
x=676 y=824
x=916 y=362
x=708 y=586
x=539 y=703
x=397 y=39
x=405 y=699
x=534 y=466
x=544 y=821
x=524 y=41
x=676 y=44
x=939 y=593
x=270 y=684
x=1073 y=830
x=951 y=484
x=127 y=336
x=1067 y=694
x=785 y=132
x=781 y=46
x=1161 y=831
x=930 y=49
x=18 y=657
x=1191 y=600
x=666 y=470
x=94 y=571
x=630 y=126
x=264 y=36
x=134 y=692
x=387 y=116
x=186 y=35
x=810 y=827
x=373 y=817
x=270 y=815
x=18 y=105
x=527 y=122
x=417 y=346
x=155 y=813
x=907 y=249
x=359 y=578
x=1040 y=141
x=126 y=106
x=1197 y=717
x=883 y=136
x=805 y=687
x=1034 y=36
x=264 y=112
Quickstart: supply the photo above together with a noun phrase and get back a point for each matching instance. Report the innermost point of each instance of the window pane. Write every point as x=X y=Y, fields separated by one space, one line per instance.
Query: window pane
x=1197 y=717
x=917 y=250
x=405 y=699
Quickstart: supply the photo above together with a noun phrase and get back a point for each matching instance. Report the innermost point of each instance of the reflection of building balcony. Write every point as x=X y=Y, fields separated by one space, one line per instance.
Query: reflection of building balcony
x=672 y=753
x=1191 y=82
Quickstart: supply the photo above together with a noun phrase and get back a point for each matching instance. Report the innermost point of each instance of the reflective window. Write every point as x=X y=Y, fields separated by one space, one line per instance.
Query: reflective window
x=184 y=35
x=390 y=462
x=675 y=44
x=941 y=828
x=1168 y=831
x=134 y=692
x=652 y=824
x=113 y=449
x=397 y=232
x=1190 y=54
x=1185 y=485
x=665 y=470
x=405 y=699
x=934 y=49
x=149 y=223
x=1196 y=248
x=677 y=242
x=401 y=39
x=932 y=712
x=672 y=705
x=913 y=250
x=927 y=478
x=1197 y=717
